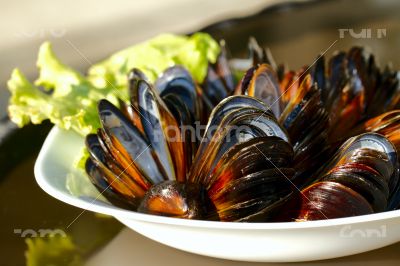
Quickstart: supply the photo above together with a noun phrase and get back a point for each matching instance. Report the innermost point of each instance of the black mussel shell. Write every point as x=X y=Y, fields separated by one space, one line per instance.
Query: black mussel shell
x=324 y=200
x=243 y=198
x=127 y=144
x=179 y=200
x=262 y=83
x=98 y=177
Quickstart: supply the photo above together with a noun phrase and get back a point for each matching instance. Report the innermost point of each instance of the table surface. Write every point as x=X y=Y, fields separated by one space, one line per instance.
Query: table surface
x=130 y=248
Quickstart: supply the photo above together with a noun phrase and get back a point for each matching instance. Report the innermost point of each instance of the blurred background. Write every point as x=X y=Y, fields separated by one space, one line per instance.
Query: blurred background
x=84 y=32
x=98 y=28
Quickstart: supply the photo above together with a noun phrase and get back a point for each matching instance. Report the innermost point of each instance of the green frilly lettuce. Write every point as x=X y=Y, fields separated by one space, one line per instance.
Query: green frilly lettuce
x=69 y=99
x=74 y=246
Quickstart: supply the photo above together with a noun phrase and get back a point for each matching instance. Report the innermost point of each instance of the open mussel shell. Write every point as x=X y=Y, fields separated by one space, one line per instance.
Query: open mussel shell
x=262 y=83
x=254 y=121
x=290 y=83
x=337 y=77
x=244 y=160
x=252 y=180
x=318 y=75
x=134 y=76
x=178 y=82
x=377 y=198
x=249 y=157
x=179 y=200
x=127 y=145
x=353 y=85
x=98 y=178
x=223 y=69
x=324 y=200
x=162 y=131
x=225 y=107
x=219 y=81
x=386 y=95
x=365 y=146
x=243 y=198
x=368 y=164
x=348 y=109
x=186 y=126
x=213 y=87
x=386 y=124
x=305 y=114
x=360 y=61
x=307 y=124
x=117 y=177
x=132 y=114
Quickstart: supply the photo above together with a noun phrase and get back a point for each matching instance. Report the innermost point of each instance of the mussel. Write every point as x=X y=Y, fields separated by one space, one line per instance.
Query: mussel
x=156 y=172
x=280 y=145
x=361 y=178
x=180 y=200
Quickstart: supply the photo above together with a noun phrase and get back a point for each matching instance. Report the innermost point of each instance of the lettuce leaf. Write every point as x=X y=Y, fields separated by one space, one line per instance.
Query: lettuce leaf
x=154 y=56
x=69 y=99
x=76 y=244
x=55 y=250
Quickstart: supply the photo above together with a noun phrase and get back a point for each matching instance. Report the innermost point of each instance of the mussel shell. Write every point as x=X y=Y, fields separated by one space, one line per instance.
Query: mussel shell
x=367 y=173
x=305 y=117
x=327 y=200
x=289 y=86
x=249 y=157
x=318 y=74
x=362 y=63
x=262 y=83
x=127 y=142
x=307 y=124
x=229 y=105
x=385 y=96
x=233 y=103
x=177 y=81
x=292 y=108
x=184 y=119
x=134 y=76
x=223 y=69
x=358 y=148
x=162 y=131
x=376 y=198
x=179 y=200
x=266 y=126
x=387 y=124
x=132 y=114
x=348 y=108
x=250 y=194
x=375 y=159
x=310 y=157
x=96 y=176
x=214 y=87
x=337 y=78
x=102 y=157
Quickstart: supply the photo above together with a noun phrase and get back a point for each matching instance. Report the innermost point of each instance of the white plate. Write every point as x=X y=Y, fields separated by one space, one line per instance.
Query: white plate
x=262 y=242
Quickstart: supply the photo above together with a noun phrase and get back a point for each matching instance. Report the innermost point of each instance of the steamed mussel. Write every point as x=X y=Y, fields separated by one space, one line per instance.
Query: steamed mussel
x=278 y=145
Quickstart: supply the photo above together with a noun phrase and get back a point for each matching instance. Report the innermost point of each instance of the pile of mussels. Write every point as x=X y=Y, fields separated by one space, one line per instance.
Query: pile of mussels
x=280 y=145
